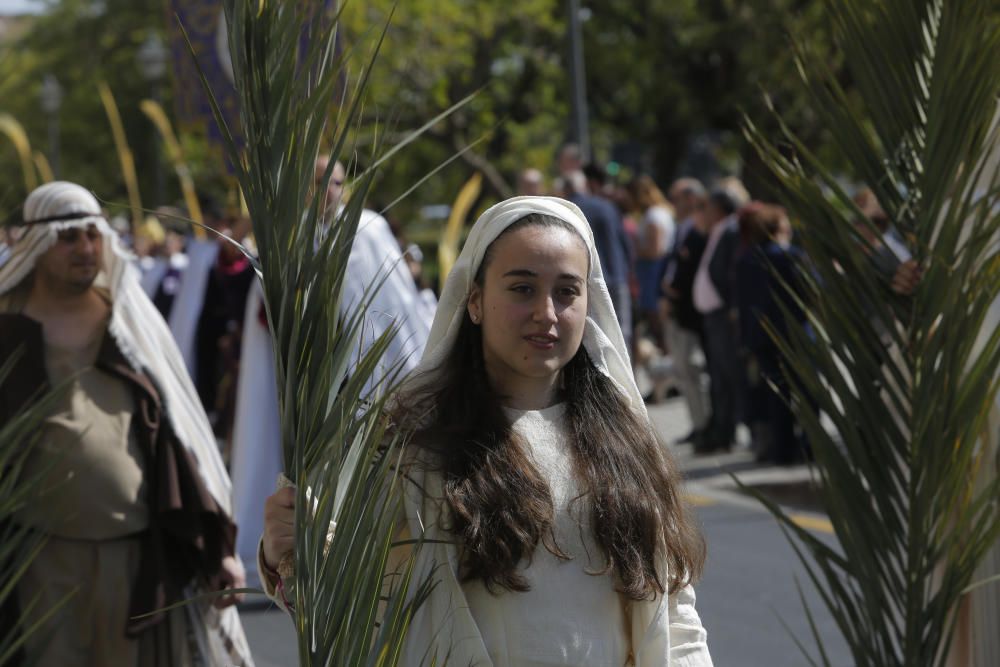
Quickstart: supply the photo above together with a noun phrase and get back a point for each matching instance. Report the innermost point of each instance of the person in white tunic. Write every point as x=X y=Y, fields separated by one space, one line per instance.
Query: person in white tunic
x=375 y=258
x=555 y=513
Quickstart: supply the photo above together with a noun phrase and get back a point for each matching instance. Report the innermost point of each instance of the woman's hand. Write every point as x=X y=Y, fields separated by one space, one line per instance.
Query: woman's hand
x=279 y=526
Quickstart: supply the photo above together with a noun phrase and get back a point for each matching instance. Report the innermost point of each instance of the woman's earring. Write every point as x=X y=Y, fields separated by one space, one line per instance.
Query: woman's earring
x=475 y=318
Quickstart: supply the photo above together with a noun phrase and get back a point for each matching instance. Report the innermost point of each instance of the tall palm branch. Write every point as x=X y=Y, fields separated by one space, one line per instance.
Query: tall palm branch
x=902 y=380
x=331 y=396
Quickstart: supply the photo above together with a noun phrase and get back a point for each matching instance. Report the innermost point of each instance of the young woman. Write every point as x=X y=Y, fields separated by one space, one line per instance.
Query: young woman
x=555 y=509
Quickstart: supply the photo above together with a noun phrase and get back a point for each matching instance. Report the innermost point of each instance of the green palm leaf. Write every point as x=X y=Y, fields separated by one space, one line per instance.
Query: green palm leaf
x=902 y=380
x=331 y=397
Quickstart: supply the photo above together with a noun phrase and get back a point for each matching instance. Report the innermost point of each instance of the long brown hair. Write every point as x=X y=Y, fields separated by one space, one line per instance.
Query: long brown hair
x=501 y=507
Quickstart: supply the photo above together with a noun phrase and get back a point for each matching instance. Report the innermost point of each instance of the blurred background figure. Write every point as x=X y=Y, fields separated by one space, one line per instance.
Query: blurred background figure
x=712 y=294
x=654 y=239
x=414 y=257
x=530 y=182
x=188 y=301
x=768 y=268
x=162 y=279
x=147 y=243
x=684 y=328
x=375 y=257
x=149 y=238
x=220 y=326
x=613 y=246
x=569 y=161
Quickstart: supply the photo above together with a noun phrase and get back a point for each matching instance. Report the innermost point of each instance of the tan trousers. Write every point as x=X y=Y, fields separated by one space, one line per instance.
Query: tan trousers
x=88 y=629
x=683 y=344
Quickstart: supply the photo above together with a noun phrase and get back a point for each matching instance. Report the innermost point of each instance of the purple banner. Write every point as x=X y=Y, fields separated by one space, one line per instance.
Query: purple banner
x=205 y=24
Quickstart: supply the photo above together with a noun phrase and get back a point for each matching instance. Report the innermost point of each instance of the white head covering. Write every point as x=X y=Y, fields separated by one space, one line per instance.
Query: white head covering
x=662 y=631
x=135 y=323
x=602 y=336
x=141 y=334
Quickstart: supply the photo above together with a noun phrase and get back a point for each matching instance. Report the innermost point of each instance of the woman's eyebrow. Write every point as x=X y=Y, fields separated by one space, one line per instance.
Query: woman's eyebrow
x=528 y=273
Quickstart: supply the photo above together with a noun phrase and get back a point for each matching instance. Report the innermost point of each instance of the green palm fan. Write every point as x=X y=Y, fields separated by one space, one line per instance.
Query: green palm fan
x=900 y=378
x=331 y=397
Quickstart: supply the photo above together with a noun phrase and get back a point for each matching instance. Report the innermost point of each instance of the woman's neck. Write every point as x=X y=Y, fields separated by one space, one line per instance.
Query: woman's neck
x=529 y=395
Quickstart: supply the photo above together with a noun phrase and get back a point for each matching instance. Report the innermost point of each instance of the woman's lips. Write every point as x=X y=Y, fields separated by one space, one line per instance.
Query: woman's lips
x=542 y=341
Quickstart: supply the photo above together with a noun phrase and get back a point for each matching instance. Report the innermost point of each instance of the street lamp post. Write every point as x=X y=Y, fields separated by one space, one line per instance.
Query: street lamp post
x=579 y=122
x=152 y=60
x=51 y=98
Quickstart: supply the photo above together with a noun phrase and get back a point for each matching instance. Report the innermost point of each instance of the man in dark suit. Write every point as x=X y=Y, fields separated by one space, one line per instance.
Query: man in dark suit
x=684 y=326
x=612 y=243
x=712 y=295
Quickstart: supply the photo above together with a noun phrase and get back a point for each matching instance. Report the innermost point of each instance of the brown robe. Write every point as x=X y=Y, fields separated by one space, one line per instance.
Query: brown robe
x=188 y=534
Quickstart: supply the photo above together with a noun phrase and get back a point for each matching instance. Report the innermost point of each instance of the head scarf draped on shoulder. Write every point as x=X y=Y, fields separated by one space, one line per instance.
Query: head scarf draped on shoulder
x=602 y=336
x=135 y=324
x=147 y=344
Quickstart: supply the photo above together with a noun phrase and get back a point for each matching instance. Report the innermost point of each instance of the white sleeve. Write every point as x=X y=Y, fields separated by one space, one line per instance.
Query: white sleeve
x=688 y=638
x=269 y=580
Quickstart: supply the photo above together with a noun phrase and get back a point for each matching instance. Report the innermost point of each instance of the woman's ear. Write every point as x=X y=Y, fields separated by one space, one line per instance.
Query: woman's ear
x=475 y=305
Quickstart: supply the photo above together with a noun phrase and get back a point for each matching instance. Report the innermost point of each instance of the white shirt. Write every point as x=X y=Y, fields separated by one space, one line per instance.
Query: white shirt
x=568 y=617
x=706 y=297
x=659 y=216
x=896 y=245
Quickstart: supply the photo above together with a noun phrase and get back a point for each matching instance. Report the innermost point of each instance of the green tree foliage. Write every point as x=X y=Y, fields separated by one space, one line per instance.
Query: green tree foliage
x=81 y=42
x=662 y=73
x=436 y=54
x=658 y=75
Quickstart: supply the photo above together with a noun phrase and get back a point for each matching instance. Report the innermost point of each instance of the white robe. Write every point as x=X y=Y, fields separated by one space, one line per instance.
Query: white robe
x=256 y=448
x=256 y=454
x=186 y=309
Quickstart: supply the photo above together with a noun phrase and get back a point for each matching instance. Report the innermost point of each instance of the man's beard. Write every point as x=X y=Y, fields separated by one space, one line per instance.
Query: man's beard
x=76 y=284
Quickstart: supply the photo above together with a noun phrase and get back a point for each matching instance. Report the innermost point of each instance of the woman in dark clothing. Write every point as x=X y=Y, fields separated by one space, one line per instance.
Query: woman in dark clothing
x=765 y=272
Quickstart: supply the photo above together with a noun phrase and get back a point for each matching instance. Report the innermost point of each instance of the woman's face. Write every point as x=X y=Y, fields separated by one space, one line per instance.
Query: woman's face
x=532 y=306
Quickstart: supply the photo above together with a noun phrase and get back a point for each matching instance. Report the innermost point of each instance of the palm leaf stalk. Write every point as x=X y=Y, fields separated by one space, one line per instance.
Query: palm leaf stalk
x=15 y=132
x=901 y=379
x=20 y=544
x=331 y=397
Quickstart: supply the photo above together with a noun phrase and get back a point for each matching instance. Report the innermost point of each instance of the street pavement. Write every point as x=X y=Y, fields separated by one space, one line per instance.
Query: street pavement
x=749 y=598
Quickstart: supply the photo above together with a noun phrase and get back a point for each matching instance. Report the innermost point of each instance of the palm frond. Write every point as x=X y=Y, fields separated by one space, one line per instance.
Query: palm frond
x=902 y=380
x=331 y=395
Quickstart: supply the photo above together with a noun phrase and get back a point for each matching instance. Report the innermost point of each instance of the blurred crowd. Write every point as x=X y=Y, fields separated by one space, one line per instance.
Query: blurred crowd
x=702 y=276
x=697 y=274
x=201 y=281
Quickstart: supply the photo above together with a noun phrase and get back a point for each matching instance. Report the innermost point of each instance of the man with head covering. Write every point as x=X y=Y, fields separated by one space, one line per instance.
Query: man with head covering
x=136 y=508
x=376 y=256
